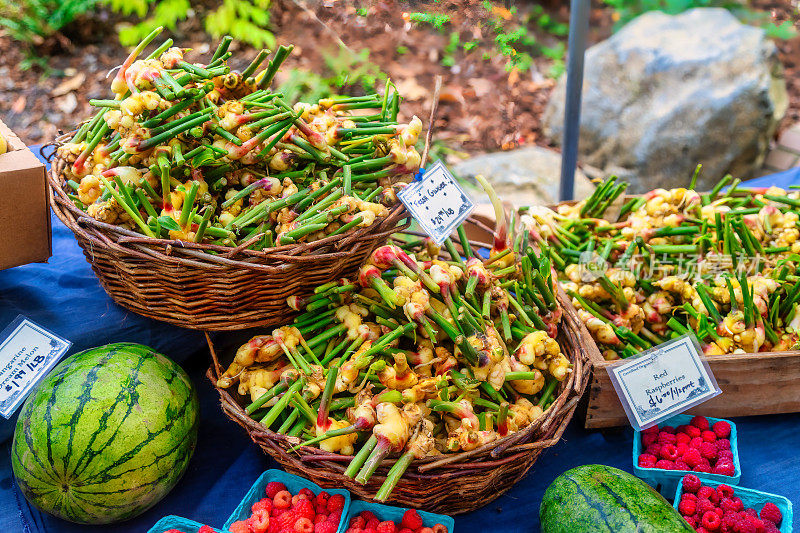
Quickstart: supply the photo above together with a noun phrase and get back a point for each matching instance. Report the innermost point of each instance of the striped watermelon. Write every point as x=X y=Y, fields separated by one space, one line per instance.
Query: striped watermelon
x=106 y=434
x=603 y=499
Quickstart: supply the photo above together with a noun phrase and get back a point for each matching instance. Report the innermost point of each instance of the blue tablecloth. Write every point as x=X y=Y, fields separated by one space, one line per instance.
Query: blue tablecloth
x=64 y=296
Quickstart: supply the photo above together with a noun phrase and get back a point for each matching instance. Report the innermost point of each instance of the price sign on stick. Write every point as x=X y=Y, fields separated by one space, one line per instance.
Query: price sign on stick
x=664 y=381
x=437 y=202
x=27 y=353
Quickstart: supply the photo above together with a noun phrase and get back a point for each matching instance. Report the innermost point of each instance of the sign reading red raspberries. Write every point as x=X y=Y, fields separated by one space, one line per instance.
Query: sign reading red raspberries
x=718 y=509
x=696 y=447
x=367 y=522
x=282 y=512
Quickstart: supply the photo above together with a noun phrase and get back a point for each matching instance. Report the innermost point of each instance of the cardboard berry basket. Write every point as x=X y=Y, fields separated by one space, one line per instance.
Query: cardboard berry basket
x=753 y=499
x=395 y=514
x=667 y=480
x=172 y=522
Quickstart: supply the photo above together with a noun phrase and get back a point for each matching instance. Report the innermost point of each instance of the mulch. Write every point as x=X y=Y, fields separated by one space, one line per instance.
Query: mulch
x=483 y=106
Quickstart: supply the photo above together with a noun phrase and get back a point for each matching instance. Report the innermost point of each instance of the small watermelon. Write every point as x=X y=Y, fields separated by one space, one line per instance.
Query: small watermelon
x=604 y=499
x=106 y=434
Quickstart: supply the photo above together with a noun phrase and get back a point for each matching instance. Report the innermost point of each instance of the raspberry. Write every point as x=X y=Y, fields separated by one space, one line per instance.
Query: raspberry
x=681 y=465
x=667 y=438
x=700 y=422
x=687 y=507
x=682 y=448
x=307 y=493
x=368 y=515
x=723 y=444
x=665 y=464
x=322 y=498
x=319 y=517
x=653 y=449
x=667 y=429
x=406 y=530
x=411 y=519
x=336 y=503
x=681 y=429
x=273 y=488
x=693 y=431
x=710 y=521
x=205 y=529
x=649 y=439
x=299 y=498
x=690 y=520
x=259 y=521
x=647 y=461
x=263 y=503
x=702 y=468
x=692 y=457
x=691 y=483
x=335 y=516
x=701 y=529
x=425 y=530
x=358 y=522
x=708 y=450
x=744 y=526
x=372 y=523
x=304 y=525
x=722 y=429
x=696 y=442
x=305 y=509
x=725 y=491
x=751 y=512
x=724 y=468
x=282 y=500
x=670 y=452
x=651 y=430
x=709 y=436
x=240 y=526
x=325 y=527
x=726 y=454
x=321 y=509
x=769 y=527
x=704 y=506
x=771 y=513
x=287 y=520
x=439 y=528
x=706 y=492
x=386 y=527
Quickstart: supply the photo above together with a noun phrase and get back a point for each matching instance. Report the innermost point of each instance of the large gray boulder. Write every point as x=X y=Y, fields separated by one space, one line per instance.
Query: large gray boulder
x=668 y=92
x=525 y=176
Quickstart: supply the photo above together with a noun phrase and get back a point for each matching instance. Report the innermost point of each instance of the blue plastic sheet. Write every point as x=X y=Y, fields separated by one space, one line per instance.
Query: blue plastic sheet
x=65 y=296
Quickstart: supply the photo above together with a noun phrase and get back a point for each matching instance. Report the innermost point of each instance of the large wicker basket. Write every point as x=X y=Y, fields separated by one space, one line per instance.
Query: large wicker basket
x=453 y=483
x=233 y=288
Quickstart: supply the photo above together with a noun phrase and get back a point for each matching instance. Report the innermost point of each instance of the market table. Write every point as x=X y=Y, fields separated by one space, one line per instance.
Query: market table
x=65 y=296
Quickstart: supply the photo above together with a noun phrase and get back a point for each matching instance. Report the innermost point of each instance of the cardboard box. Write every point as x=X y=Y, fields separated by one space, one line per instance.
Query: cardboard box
x=24 y=208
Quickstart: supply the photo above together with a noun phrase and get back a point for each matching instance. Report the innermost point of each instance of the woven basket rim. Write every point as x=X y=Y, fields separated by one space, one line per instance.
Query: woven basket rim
x=496 y=453
x=110 y=236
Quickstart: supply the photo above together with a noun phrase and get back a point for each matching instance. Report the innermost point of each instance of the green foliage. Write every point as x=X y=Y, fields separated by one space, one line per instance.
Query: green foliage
x=31 y=21
x=627 y=10
x=437 y=21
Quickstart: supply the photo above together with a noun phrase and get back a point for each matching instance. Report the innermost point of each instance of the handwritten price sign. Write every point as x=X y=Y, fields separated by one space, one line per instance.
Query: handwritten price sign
x=437 y=202
x=27 y=353
x=663 y=381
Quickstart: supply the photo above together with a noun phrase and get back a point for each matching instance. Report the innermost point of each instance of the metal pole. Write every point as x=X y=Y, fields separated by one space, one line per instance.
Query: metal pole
x=578 y=28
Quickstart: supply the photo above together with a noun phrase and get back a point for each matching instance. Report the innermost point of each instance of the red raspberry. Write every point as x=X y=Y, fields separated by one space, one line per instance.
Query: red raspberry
x=653 y=449
x=724 y=468
x=708 y=450
x=769 y=527
x=240 y=526
x=425 y=530
x=701 y=529
x=307 y=493
x=406 y=530
x=771 y=513
x=649 y=439
x=259 y=521
x=326 y=527
x=651 y=430
x=358 y=522
x=725 y=454
x=205 y=529
x=667 y=438
x=711 y=521
x=667 y=429
x=691 y=483
x=336 y=503
x=704 y=506
x=681 y=429
x=411 y=519
x=367 y=515
x=273 y=488
x=386 y=527
x=263 y=503
x=744 y=526
x=696 y=442
x=321 y=509
x=681 y=465
x=669 y=452
x=439 y=528
x=299 y=498
x=690 y=520
x=689 y=496
x=709 y=436
x=282 y=500
x=687 y=506
x=702 y=468
x=287 y=520
x=722 y=429
x=335 y=516
x=372 y=523
x=725 y=491
x=322 y=498
x=693 y=431
x=319 y=517
x=692 y=457
x=647 y=461
x=751 y=512
x=304 y=525
x=665 y=464
x=707 y=492
x=729 y=505
x=682 y=448
x=700 y=422
x=305 y=509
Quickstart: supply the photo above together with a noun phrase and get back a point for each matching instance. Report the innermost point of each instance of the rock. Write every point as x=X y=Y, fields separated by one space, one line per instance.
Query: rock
x=668 y=92
x=525 y=176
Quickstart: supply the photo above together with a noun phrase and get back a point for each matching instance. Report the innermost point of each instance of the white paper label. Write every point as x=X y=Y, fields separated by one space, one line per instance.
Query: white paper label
x=27 y=353
x=663 y=381
x=437 y=202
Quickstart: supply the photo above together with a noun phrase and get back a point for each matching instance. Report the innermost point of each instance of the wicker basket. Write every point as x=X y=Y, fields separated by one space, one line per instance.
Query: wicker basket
x=449 y=484
x=180 y=283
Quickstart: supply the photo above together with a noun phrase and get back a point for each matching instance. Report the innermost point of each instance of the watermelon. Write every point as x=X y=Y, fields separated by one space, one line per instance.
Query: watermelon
x=600 y=498
x=106 y=434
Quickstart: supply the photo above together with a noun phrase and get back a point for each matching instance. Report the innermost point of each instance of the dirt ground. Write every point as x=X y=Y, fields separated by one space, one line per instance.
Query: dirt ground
x=483 y=107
